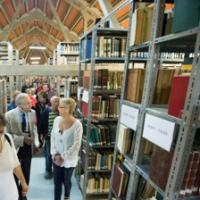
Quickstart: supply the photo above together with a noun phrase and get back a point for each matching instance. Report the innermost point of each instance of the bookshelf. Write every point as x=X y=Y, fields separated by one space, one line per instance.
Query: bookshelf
x=6 y=53
x=68 y=53
x=15 y=57
x=102 y=53
x=72 y=87
x=3 y=96
x=146 y=177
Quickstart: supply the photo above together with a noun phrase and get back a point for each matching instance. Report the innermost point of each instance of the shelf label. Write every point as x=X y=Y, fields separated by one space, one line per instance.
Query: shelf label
x=159 y=131
x=85 y=97
x=129 y=116
x=80 y=89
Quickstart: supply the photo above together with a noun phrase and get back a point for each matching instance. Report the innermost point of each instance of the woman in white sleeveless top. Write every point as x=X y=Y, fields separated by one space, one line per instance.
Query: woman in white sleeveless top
x=9 y=164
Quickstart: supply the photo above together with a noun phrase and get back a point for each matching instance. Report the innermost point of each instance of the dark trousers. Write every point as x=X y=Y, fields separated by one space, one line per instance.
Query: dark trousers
x=62 y=175
x=48 y=158
x=26 y=168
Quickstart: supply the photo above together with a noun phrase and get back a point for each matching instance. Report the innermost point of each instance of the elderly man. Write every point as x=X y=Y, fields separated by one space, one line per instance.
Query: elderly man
x=22 y=126
x=48 y=118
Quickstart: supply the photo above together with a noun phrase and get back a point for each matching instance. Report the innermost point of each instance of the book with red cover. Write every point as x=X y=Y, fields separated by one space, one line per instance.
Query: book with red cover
x=84 y=108
x=178 y=95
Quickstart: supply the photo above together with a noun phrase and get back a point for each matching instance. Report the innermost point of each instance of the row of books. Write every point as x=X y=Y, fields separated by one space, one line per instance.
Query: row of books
x=171 y=88
x=183 y=17
x=160 y=167
x=111 y=47
x=97 y=161
x=103 y=107
x=126 y=140
x=62 y=60
x=73 y=87
x=145 y=190
x=69 y=48
x=107 y=47
x=98 y=184
x=120 y=180
x=104 y=79
x=163 y=55
x=102 y=134
x=191 y=181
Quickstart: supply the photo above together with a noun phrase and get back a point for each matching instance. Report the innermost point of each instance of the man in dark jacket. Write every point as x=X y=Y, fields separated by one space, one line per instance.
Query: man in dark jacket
x=48 y=117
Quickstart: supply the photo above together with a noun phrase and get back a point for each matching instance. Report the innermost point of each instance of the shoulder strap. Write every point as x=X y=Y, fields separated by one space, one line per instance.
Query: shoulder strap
x=8 y=139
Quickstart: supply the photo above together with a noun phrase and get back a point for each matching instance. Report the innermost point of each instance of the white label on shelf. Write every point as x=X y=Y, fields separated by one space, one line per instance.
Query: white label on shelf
x=129 y=116
x=159 y=131
x=85 y=97
x=79 y=93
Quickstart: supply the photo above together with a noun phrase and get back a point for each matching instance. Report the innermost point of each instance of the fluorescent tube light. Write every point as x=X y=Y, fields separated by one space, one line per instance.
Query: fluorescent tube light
x=35 y=58
x=35 y=62
x=37 y=47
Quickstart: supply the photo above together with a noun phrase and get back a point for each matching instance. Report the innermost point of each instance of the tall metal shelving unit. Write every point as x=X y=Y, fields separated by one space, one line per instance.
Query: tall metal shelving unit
x=187 y=41
x=90 y=63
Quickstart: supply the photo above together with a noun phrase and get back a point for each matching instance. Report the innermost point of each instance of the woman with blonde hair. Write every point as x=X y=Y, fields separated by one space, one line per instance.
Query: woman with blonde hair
x=66 y=138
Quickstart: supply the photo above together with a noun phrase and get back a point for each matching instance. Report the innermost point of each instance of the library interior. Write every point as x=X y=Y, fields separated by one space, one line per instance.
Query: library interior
x=100 y=99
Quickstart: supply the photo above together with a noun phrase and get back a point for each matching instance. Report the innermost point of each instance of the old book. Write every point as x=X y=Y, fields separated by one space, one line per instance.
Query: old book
x=86 y=79
x=160 y=166
x=135 y=85
x=178 y=95
x=96 y=106
x=163 y=86
x=186 y=15
x=104 y=78
x=112 y=132
x=119 y=181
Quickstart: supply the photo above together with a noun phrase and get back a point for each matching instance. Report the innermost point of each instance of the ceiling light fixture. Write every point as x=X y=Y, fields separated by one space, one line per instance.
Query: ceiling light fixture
x=35 y=58
x=35 y=62
x=37 y=47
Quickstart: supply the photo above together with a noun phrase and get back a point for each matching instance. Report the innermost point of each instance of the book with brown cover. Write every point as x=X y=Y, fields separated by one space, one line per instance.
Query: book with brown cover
x=135 y=85
x=163 y=86
x=86 y=79
x=160 y=166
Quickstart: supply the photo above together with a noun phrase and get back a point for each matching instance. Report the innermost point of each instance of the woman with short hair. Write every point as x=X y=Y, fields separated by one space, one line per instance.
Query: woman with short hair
x=66 y=138
x=9 y=164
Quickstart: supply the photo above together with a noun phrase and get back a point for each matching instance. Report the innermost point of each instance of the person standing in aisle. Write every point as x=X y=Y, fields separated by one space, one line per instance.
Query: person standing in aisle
x=12 y=105
x=21 y=124
x=9 y=164
x=41 y=105
x=66 y=138
x=48 y=118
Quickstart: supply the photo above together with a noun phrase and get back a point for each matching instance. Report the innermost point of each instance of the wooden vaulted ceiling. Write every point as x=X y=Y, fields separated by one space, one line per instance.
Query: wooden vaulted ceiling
x=34 y=22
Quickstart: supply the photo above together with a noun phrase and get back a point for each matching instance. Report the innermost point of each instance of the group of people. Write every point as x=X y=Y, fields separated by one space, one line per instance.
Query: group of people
x=34 y=121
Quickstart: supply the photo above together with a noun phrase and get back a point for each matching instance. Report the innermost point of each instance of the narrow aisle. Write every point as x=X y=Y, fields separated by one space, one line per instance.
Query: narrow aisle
x=42 y=189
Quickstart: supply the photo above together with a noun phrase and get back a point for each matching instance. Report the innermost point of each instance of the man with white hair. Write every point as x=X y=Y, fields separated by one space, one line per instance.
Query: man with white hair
x=21 y=124
x=47 y=123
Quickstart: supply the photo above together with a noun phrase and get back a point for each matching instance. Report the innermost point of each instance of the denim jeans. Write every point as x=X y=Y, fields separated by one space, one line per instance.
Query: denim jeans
x=62 y=175
x=48 y=158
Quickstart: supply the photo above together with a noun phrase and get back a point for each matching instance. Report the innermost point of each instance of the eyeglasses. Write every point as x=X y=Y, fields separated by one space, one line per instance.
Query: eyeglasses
x=62 y=107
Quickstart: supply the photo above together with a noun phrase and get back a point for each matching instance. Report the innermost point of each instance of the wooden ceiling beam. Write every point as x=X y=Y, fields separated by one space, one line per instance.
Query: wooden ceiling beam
x=77 y=21
x=5 y=13
x=65 y=32
x=85 y=9
x=67 y=14
x=50 y=37
x=36 y=14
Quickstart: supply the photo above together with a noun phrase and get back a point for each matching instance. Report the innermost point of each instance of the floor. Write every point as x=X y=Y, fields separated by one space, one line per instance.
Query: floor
x=42 y=189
